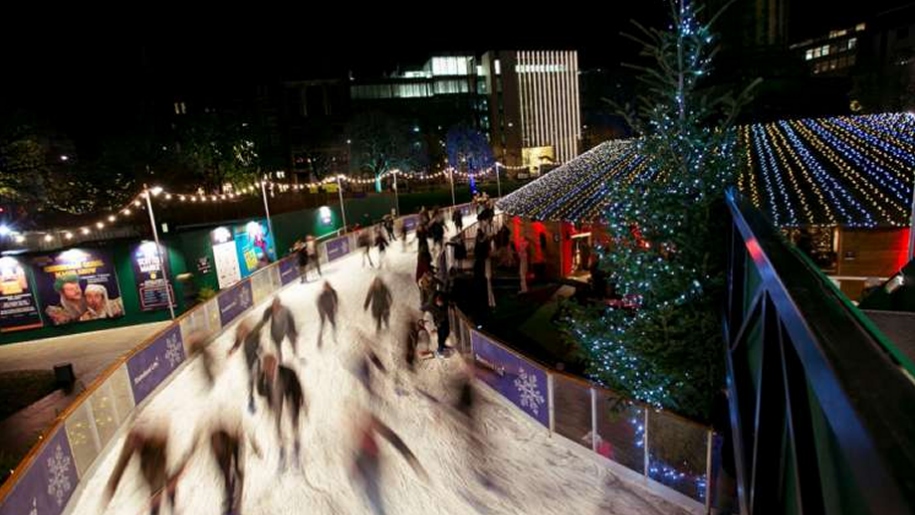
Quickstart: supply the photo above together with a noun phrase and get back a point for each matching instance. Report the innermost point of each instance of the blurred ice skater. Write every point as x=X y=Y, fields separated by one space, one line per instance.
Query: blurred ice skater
x=282 y=389
x=249 y=336
x=380 y=299
x=282 y=326
x=228 y=439
x=148 y=440
x=327 y=309
x=367 y=462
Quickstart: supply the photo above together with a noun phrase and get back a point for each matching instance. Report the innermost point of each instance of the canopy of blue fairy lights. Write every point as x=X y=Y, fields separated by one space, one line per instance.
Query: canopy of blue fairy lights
x=851 y=171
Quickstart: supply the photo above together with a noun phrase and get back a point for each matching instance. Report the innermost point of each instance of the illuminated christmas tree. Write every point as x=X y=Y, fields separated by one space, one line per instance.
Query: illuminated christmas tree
x=667 y=230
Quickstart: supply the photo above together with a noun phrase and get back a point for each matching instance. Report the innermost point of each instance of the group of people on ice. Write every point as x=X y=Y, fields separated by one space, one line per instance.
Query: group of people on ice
x=274 y=376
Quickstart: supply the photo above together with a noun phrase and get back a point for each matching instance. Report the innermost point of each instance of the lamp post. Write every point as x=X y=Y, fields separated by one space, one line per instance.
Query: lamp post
x=912 y=227
x=498 y=182
x=396 y=194
x=148 y=193
x=342 y=207
x=451 y=177
x=267 y=206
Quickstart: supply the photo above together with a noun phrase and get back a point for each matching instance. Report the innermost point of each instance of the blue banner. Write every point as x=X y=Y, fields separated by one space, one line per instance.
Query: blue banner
x=234 y=301
x=289 y=270
x=152 y=365
x=518 y=380
x=49 y=482
x=410 y=222
x=337 y=248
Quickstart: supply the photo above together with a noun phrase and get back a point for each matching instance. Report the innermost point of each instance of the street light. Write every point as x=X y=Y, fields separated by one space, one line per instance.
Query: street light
x=163 y=259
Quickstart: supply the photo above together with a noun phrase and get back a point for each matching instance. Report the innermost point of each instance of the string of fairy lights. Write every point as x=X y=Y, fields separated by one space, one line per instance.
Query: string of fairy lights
x=576 y=190
x=124 y=214
x=854 y=171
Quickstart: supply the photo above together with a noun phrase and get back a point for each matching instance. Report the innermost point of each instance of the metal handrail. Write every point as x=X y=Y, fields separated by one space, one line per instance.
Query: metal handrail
x=861 y=388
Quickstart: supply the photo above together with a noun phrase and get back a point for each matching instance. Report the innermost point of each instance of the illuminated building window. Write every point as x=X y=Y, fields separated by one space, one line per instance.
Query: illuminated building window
x=450 y=66
x=809 y=55
x=824 y=50
x=451 y=87
x=860 y=27
x=852 y=42
x=498 y=67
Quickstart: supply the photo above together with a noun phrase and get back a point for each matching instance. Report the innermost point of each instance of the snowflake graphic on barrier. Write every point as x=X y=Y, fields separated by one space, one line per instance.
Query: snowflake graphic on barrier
x=244 y=300
x=59 y=475
x=530 y=393
x=173 y=351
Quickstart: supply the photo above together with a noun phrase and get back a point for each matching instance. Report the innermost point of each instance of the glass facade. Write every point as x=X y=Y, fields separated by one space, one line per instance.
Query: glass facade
x=452 y=66
x=451 y=86
x=390 y=91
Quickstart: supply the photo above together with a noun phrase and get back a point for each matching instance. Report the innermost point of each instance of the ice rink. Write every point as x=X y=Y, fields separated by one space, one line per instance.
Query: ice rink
x=517 y=467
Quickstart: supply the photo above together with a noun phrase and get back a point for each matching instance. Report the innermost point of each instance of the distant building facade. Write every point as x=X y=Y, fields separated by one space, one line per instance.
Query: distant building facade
x=535 y=106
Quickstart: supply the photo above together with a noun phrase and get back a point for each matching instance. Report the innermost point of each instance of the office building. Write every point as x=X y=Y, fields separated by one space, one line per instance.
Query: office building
x=534 y=105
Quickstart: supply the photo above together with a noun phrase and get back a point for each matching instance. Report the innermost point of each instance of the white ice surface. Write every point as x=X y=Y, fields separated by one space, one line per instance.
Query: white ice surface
x=531 y=472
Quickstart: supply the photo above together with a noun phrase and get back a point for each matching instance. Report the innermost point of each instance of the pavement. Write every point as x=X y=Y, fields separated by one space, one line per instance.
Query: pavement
x=89 y=353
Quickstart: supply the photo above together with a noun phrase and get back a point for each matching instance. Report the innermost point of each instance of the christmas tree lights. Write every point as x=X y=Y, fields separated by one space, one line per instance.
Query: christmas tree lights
x=850 y=171
x=665 y=232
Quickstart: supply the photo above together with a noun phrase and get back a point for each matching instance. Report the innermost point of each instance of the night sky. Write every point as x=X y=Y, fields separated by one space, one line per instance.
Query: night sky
x=74 y=75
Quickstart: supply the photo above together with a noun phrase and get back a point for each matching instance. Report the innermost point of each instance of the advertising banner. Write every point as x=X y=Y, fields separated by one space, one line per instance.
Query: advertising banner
x=49 y=482
x=409 y=222
x=337 y=248
x=518 y=380
x=152 y=365
x=289 y=271
x=225 y=256
x=77 y=285
x=254 y=246
x=150 y=270
x=234 y=302
x=18 y=306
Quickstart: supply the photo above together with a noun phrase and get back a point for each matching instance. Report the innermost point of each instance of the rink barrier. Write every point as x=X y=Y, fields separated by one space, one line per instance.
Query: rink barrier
x=45 y=480
x=665 y=448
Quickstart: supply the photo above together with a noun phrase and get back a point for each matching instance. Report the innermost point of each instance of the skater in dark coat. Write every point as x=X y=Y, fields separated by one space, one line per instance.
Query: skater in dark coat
x=302 y=260
x=227 y=442
x=437 y=229
x=149 y=442
x=249 y=336
x=327 y=309
x=382 y=243
x=380 y=299
x=388 y=225
x=280 y=385
x=423 y=263
x=422 y=238
x=439 y=312
x=365 y=242
x=418 y=341
x=282 y=326
x=402 y=230
x=457 y=218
